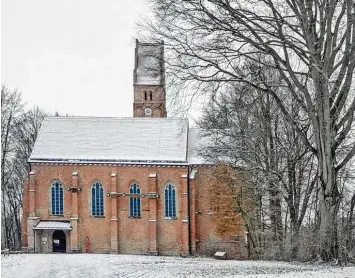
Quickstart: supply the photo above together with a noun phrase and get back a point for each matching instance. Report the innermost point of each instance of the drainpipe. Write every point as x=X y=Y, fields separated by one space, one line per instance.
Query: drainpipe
x=34 y=243
x=188 y=208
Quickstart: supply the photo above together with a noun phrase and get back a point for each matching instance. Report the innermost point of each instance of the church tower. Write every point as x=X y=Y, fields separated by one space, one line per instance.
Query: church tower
x=149 y=80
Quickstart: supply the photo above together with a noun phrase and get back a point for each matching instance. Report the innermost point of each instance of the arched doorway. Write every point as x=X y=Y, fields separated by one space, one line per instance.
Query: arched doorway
x=59 y=241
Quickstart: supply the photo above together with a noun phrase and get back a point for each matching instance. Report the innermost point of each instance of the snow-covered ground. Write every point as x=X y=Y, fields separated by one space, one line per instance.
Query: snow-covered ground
x=100 y=265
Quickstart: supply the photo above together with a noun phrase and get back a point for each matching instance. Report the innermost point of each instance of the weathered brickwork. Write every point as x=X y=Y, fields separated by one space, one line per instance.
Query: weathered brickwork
x=208 y=240
x=157 y=91
x=116 y=232
x=149 y=96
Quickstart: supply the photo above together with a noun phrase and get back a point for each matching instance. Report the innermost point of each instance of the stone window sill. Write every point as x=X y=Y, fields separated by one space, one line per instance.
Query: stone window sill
x=134 y=217
x=57 y=215
x=170 y=218
x=98 y=216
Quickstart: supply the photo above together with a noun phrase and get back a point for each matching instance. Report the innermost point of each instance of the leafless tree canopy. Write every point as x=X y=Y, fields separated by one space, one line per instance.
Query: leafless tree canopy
x=19 y=129
x=311 y=47
x=249 y=131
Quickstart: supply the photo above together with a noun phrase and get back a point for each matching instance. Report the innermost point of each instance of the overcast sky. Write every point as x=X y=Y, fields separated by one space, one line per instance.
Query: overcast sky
x=73 y=57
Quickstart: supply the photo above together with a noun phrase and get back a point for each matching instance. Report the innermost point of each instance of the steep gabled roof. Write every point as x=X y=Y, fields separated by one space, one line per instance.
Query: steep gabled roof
x=112 y=139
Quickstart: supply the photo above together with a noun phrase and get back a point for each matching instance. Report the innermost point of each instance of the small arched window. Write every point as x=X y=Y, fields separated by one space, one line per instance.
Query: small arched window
x=134 y=201
x=145 y=95
x=57 y=198
x=151 y=95
x=170 y=200
x=97 y=199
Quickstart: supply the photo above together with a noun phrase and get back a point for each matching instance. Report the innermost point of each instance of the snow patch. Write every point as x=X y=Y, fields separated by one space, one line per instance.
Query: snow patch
x=104 y=265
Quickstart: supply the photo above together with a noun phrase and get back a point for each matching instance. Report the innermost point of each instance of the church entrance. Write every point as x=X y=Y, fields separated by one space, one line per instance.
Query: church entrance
x=59 y=241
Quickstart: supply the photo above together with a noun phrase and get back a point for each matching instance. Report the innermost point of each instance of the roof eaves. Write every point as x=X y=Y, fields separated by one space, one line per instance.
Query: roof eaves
x=86 y=161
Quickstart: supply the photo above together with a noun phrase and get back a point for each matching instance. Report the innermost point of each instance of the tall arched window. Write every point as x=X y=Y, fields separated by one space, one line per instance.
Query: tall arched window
x=97 y=199
x=151 y=95
x=134 y=202
x=145 y=95
x=57 y=198
x=170 y=201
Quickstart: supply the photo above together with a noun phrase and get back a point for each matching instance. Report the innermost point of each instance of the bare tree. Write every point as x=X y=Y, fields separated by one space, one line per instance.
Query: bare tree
x=244 y=135
x=11 y=107
x=311 y=44
x=245 y=127
x=19 y=132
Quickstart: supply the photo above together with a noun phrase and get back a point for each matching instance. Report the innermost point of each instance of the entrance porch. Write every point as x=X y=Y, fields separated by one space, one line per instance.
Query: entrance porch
x=52 y=236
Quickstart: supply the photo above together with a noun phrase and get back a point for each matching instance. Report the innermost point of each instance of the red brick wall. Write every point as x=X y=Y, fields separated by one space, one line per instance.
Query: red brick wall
x=158 y=93
x=134 y=234
x=133 y=237
x=208 y=240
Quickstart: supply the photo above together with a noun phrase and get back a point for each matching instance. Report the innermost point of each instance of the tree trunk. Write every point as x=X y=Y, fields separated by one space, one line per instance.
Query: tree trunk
x=5 y=222
x=17 y=234
x=274 y=191
x=295 y=242
x=328 y=236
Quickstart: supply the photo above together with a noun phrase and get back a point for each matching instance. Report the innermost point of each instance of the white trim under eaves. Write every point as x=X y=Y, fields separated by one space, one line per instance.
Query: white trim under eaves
x=109 y=162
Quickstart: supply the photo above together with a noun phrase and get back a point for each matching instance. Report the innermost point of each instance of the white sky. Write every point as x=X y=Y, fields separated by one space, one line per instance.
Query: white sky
x=74 y=57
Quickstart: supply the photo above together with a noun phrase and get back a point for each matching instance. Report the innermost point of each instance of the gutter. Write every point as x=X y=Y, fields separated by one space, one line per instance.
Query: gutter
x=34 y=243
x=189 y=210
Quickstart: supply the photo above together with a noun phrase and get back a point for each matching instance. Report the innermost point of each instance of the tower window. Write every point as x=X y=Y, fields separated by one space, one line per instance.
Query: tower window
x=151 y=95
x=145 y=95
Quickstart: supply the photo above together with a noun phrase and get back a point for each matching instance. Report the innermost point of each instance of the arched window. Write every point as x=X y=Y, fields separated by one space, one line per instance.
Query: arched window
x=134 y=202
x=97 y=199
x=151 y=95
x=170 y=201
x=57 y=198
x=145 y=95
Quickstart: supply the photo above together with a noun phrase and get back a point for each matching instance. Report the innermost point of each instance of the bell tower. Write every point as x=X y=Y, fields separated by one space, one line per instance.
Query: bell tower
x=149 y=80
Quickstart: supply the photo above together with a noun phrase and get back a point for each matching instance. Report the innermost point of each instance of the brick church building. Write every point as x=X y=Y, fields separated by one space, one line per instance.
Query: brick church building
x=123 y=185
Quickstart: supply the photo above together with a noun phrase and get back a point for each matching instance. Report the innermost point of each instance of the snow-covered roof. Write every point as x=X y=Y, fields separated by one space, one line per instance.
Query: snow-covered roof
x=149 y=63
x=195 y=142
x=216 y=145
x=76 y=139
x=52 y=225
